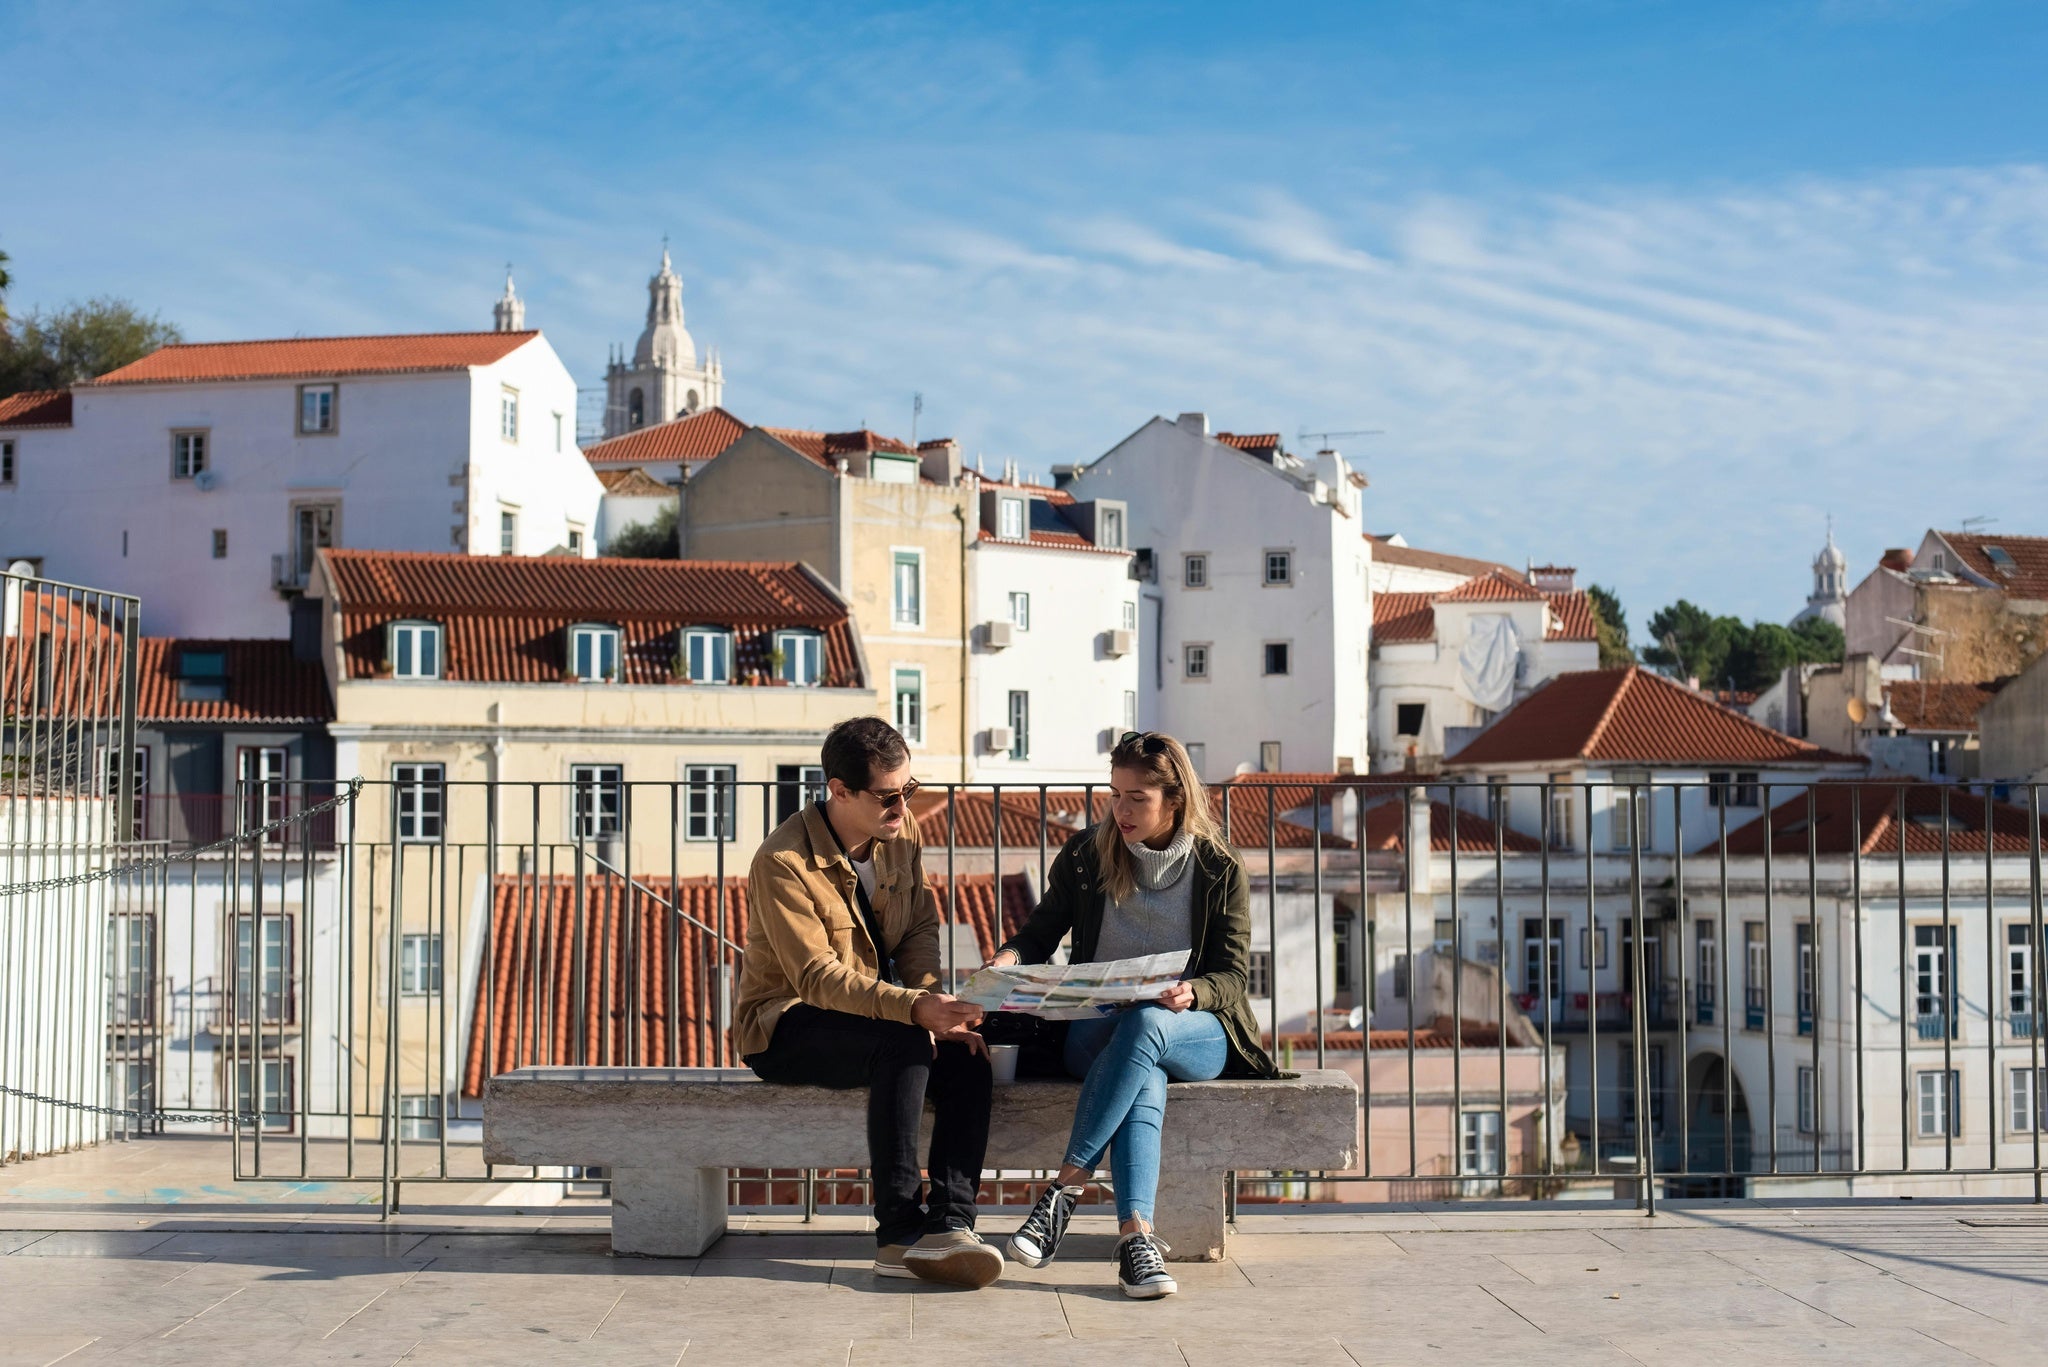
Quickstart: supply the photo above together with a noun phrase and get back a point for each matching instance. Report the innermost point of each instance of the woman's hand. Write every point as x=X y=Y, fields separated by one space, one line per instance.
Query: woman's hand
x=1003 y=958
x=1179 y=997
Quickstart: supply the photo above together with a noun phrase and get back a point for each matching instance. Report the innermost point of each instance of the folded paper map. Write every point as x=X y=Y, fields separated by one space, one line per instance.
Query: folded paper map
x=1074 y=991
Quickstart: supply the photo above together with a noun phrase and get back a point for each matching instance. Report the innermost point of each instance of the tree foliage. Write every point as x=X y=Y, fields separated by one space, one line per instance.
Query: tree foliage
x=5 y=281
x=1721 y=652
x=654 y=539
x=57 y=349
x=1611 y=625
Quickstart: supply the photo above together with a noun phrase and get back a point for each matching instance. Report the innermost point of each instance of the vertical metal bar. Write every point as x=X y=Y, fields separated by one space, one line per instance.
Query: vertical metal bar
x=672 y=924
x=1639 y=1016
x=1408 y=941
x=1991 y=989
x=1272 y=920
x=2034 y=948
x=1545 y=820
x=1813 y=959
x=1856 y=928
x=1367 y=982
x=1315 y=918
x=723 y=958
x=388 y=1092
x=1592 y=957
x=1500 y=966
x=1952 y=1000
x=307 y=1032
x=487 y=955
x=347 y=986
x=1681 y=922
x=1770 y=984
x=1457 y=994
x=1907 y=1002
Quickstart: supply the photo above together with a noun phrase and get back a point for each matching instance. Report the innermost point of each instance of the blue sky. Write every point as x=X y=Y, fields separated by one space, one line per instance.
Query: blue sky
x=1646 y=287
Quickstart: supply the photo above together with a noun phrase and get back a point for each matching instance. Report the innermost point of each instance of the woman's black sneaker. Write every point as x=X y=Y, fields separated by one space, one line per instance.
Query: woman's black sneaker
x=1141 y=1267
x=1035 y=1244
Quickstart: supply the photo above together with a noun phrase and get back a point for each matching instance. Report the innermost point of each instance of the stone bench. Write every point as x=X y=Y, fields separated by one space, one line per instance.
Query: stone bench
x=669 y=1135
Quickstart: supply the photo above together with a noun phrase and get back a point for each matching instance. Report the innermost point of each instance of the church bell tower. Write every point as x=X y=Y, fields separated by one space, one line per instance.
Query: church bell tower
x=663 y=380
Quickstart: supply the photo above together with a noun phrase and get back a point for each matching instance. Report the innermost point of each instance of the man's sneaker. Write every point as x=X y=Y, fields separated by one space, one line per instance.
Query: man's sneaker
x=1141 y=1267
x=889 y=1261
x=1038 y=1241
x=956 y=1257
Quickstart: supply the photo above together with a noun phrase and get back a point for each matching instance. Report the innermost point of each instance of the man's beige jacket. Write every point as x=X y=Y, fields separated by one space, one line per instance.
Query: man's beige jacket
x=807 y=942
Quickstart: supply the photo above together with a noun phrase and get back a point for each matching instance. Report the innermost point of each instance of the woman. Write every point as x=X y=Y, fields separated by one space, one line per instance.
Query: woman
x=1154 y=877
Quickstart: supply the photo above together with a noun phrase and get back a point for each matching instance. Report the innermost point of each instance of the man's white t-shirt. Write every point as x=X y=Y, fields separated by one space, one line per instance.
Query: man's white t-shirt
x=864 y=869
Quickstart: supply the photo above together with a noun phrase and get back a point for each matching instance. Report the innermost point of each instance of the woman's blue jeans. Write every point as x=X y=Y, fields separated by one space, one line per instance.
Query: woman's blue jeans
x=1125 y=1061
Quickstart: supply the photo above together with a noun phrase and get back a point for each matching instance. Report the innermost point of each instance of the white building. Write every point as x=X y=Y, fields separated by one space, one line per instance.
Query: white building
x=205 y=477
x=1053 y=659
x=1255 y=610
x=663 y=380
x=1829 y=600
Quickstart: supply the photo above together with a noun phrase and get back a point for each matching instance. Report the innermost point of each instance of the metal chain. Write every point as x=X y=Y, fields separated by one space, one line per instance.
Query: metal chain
x=163 y=861
x=177 y=1117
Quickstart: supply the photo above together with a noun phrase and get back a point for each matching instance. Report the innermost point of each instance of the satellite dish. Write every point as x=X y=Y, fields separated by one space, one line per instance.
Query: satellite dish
x=205 y=480
x=1859 y=711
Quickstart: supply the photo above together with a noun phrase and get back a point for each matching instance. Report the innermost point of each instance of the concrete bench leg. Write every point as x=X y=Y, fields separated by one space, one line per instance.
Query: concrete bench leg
x=1189 y=1215
x=667 y=1213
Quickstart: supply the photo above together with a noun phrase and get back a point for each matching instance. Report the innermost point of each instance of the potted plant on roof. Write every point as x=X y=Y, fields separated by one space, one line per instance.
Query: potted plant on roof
x=776 y=659
x=678 y=669
x=385 y=669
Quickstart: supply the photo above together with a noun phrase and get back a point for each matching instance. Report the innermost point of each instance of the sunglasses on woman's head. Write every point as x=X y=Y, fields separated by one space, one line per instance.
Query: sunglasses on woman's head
x=1148 y=743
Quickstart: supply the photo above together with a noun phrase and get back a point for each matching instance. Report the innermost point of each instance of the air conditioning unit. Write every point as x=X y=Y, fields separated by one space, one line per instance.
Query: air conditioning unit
x=999 y=634
x=1122 y=641
x=1000 y=739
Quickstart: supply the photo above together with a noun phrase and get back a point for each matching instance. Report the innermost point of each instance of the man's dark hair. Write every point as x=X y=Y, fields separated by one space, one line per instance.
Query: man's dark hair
x=858 y=747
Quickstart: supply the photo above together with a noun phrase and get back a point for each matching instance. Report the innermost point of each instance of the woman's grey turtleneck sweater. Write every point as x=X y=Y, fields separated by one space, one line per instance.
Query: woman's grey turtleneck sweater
x=1159 y=915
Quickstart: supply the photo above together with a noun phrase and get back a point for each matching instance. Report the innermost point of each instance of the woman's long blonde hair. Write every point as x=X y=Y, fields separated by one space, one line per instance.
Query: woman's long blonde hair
x=1163 y=762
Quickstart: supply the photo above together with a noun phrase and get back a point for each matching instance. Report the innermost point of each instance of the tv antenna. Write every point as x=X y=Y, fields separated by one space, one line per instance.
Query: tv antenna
x=1971 y=524
x=916 y=412
x=1323 y=437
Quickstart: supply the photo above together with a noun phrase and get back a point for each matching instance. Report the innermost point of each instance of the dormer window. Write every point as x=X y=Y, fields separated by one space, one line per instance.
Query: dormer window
x=803 y=657
x=1111 y=533
x=415 y=650
x=594 y=653
x=1010 y=519
x=707 y=654
x=202 y=676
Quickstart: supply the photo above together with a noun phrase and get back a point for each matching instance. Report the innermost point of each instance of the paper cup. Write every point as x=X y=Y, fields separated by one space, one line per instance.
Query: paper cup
x=1002 y=1062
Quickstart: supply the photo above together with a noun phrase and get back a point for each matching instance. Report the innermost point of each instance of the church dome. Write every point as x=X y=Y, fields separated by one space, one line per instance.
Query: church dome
x=664 y=343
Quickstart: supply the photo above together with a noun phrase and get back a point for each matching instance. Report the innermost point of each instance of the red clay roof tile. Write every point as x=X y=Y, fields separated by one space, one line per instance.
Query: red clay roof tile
x=1403 y=617
x=36 y=408
x=1938 y=705
x=1495 y=586
x=633 y=482
x=2026 y=574
x=263 y=683
x=701 y=436
x=1872 y=817
x=200 y=362
x=1386 y=829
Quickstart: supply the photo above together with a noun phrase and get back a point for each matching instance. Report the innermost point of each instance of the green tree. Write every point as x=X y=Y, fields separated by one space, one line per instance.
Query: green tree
x=1610 y=624
x=654 y=539
x=5 y=281
x=1721 y=652
x=1689 y=641
x=1820 y=641
x=57 y=349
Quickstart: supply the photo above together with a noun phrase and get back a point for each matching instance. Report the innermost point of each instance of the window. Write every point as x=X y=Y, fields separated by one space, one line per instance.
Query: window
x=1279 y=568
x=131 y=969
x=1592 y=947
x=1010 y=518
x=220 y=543
x=594 y=653
x=909 y=695
x=1934 y=991
x=2019 y=979
x=1194 y=571
x=419 y=965
x=1542 y=957
x=712 y=811
x=418 y=793
x=7 y=462
x=1706 y=970
x=312 y=531
x=1343 y=936
x=1020 y=611
x=419 y=1117
x=415 y=650
x=1276 y=657
x=636 y=408
x=1198 y=754
x=803 y=657
x=1941 y=1106
x=508 y=532
x=576 y=541
x=1809 y=1101
x=707 y=655
x=188 y=454
x=263 y=770
x=138 y=787
x=1629 y=812
x=1809 y=969
x=1400 y=975
x=1756 y=977
x=1725 y=789
x=263 y=985
x=1110 y=530
x=908 y=591
x=1269 y=757
x=1498 y=799
x=1020 y=724
x=2028 y=1104
x=277 y=1091
x=1259 y=974
x=1130 y=618
x=796 y=786
x=1408 y=718
x=1564 y=812
x=1194 y=661
x=316 y=409
x=508 y=414
x=1479 y=1143
x=1130 y=718
x=558 y=434
x=600 y=798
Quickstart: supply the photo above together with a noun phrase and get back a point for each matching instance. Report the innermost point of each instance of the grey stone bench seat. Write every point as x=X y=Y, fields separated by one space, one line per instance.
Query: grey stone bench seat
x=668 y=1135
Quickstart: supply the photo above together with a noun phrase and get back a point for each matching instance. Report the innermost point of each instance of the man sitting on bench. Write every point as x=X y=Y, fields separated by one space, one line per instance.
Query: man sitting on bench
x=840 y=988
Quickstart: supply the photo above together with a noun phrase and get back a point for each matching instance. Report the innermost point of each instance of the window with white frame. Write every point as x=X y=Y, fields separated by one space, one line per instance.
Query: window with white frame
x=1479 y=1149
x=558 y=434
x=707 y=654
x=907 y=591
x=1194 y=659
x=508 y=532
x=1564 y=812
x=1110 y=529
x=419 y=965
x=1198 y=754
x=1020 y=611
x=1259 y=974
x=312 y=532
x=803 y=657
x=711 y=810
x=594 y=653
x=1726 y=788
x=2019 y=979
x=1933 y=986
x=6 y=461
x=318 y=409
x=419 y=1116
x=1130 y=717
x=138 y=786
x=1628 y=811
x=1706 y=970
x=275 y=1098
x=419 y=792
x=508 y=413
x=188 y=453
x=1020 y=724
x=1269 y=757
x=1940 y=1096
x=2027 y=1105
x=1194 y=571
x=909 y=704
x=263 y=981
x=1279 y=568
x=575 y=540
x=415 y=650
x=1809 y=975
x=1542 y=958
x=131 y=968
x=1130 y=617
x=600 y=798
x=1756 y=976
x=1010 y=518
x=1809 y=1100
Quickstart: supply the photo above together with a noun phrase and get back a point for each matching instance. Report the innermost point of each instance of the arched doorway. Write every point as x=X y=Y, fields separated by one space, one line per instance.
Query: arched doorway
x=1718 y=1137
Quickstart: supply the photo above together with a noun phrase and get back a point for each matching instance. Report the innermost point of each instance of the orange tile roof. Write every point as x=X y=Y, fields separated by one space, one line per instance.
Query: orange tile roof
x=2028 y=575
x=1410 y=617
x=1414 y=557
x=36 y=408
x=633 y=482
x=1476 y=1035
x=1939 y=705
x=1629 y=716
x=1399 y=617
x=825 y=447
x=1872 y=817
x=701 y=436
x=625 y=943
x=1495 y=586
x=200 y=362
x=264 y=683
x=1250 y=441
x=1571 y=617
x=1386 y=829
x=505 y=617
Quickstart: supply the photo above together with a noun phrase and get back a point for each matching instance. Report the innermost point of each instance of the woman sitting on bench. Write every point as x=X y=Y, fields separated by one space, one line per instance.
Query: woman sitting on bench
x=1156 y=876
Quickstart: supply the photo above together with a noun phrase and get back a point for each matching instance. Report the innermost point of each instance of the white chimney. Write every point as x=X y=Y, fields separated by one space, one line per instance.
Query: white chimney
x=1194 y=422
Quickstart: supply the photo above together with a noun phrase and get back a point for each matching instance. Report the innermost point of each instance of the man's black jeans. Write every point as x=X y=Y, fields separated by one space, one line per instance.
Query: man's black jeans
x=900 y=1067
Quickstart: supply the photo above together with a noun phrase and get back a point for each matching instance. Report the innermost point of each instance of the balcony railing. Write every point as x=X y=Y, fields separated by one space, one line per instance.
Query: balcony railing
x=189 y=820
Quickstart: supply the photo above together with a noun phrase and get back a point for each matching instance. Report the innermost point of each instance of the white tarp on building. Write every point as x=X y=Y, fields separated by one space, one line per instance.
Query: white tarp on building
x=1487 y=660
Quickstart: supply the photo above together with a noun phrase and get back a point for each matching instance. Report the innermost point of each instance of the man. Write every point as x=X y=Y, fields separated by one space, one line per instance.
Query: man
x=841 y=989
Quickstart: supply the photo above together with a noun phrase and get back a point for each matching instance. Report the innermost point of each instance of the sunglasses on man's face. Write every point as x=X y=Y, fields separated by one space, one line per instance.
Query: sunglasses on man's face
x=1148 y=743
x=894 y=795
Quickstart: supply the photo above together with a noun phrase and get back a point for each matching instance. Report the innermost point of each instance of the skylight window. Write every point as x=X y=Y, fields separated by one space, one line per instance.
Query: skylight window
x=2001 y=559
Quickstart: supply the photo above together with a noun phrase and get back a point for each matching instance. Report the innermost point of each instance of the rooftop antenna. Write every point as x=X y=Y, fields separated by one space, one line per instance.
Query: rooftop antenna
x=1971 y=524
x=916 y=412
x=1323 y=437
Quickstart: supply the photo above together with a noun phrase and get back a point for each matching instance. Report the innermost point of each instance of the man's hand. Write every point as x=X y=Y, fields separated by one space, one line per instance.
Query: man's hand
x=1179 y=997
x=975 y=1043
x=945 y=1016
x=1003 y=959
